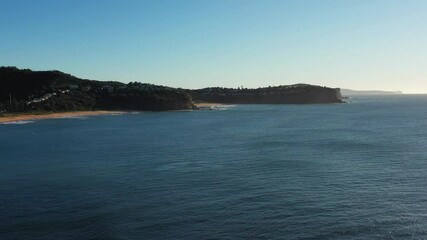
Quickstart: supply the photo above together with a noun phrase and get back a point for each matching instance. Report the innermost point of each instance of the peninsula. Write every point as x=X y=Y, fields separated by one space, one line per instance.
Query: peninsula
x=27 y=91
x=288 y=94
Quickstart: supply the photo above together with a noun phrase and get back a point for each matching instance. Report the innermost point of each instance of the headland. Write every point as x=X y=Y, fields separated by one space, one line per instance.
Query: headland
x=24 y=91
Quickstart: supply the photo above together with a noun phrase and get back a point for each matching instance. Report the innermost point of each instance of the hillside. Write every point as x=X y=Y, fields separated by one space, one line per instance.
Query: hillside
x=25 y=90
x=290 y=94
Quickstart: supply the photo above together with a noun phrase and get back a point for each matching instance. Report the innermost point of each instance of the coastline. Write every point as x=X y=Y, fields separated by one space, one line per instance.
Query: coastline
x=208 y=104
x=212 y=106
x=28 y=117
x=35 y=116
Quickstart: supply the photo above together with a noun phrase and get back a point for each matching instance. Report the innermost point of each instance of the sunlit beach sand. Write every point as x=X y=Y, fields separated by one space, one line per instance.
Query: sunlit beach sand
x=28 y=117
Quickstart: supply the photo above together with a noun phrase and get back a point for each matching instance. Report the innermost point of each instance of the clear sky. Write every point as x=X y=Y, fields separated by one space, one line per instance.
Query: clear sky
x=357 y=44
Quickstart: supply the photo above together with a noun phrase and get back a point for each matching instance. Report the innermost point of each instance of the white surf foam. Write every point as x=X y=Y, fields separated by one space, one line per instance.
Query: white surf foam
x=73 y=117
x=17 y=122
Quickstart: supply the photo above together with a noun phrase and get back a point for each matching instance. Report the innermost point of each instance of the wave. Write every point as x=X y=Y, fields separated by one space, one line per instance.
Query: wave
x=218 y=107
x=17 y=122
x=72 y=117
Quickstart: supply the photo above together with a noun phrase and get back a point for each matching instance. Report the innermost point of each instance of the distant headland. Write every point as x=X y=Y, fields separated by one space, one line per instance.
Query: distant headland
x=349 y=92
x=27 y=91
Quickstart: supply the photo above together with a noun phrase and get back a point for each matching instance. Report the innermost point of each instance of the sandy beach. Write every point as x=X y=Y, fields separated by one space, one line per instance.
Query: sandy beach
x=27 y=117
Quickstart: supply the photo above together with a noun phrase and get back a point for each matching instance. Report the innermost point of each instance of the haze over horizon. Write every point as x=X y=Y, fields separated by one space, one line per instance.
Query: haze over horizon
x=360 y=45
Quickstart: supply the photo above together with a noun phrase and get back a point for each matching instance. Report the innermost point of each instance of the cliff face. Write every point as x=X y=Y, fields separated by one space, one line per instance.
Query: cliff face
x=292 y=94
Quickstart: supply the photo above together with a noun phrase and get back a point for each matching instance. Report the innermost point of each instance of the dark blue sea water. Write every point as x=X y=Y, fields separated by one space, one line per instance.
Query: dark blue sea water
x=340 y=171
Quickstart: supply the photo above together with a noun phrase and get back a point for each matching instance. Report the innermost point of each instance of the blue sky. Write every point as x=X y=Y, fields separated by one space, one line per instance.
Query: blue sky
x=358 y=44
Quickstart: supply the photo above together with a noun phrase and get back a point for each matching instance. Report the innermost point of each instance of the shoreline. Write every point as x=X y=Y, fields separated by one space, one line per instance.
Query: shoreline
x=29 y=117
x=54 y=115
x=208 y=104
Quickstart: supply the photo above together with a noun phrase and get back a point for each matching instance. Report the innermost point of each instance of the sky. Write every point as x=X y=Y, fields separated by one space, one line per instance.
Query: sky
x=356 y=44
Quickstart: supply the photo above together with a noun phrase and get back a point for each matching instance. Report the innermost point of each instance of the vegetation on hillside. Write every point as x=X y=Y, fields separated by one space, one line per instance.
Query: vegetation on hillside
x=24 y=90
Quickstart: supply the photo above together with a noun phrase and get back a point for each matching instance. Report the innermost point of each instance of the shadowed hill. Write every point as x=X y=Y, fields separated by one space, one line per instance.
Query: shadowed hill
x=26 y=90
x=290 y=94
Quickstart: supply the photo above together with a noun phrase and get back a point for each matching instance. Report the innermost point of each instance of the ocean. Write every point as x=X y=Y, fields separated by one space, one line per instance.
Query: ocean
x=328 y=171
